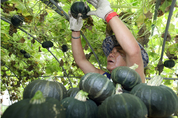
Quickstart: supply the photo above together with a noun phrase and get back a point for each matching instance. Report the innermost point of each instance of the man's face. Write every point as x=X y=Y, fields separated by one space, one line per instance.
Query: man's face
x=114 y=60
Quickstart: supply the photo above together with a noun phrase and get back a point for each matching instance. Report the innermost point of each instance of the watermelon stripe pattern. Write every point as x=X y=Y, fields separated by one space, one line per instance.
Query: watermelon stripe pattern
x=123 y=105
x=37 y=107
x=97 y=86
x=125 y=76
x=79 y=109
x=48 y=88
x=161 y=101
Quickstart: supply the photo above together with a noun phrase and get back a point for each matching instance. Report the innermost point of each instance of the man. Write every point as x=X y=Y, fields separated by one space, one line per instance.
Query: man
x=121 y=49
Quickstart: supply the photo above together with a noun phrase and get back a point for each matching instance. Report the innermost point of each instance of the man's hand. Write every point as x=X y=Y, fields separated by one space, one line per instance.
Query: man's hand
x=75 y=24
x=102 y=8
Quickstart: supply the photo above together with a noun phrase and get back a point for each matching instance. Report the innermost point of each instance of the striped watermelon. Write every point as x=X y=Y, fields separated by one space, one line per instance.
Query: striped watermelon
x=36 y=107
x=125 y=76
x=72 y=92
x=123 y=105
x=97 y=86
x=48 y=88
x=79 y=106
x=79 y=9
x=161 y=101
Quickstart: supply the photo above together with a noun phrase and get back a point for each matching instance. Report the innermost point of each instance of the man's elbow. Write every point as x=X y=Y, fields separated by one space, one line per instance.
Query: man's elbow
x=135 y=51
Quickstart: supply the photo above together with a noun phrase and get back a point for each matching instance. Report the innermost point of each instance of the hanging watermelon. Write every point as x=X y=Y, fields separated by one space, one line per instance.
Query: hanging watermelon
x=47 y=44
x=169 y=63
x=80 y=9
x=17 y=20
x=27 y=55
x=23 y=51
x=64 y=48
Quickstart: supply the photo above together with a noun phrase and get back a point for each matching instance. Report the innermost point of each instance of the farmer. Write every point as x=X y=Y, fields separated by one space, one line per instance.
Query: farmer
x=121 y=49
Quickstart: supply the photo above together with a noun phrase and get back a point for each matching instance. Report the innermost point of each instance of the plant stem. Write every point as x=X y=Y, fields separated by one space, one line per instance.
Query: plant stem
x=167 y=26
x=135 y=66
x=91 y=48
x=56 y=8
x=38 y=98
x=155 y=81
x=118 y=89
x=158 y=2
x=81 y=95
x=61 y=10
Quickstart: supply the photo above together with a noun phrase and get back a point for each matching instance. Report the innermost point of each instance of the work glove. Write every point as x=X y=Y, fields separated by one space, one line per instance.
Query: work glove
x=75 y=24
x=102 y=8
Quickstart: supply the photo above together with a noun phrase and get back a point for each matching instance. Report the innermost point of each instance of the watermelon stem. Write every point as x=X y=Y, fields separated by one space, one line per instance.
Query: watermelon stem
x=135 y=66
x=155 y=81
x=81 y=95
x=38 y=98
x=118 y=89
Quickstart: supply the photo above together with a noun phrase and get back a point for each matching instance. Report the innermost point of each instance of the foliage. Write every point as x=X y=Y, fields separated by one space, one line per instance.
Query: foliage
x=44 y=24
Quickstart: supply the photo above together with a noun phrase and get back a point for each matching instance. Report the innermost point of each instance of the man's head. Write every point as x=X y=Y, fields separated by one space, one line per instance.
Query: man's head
x=110 y=42
x=116 y=57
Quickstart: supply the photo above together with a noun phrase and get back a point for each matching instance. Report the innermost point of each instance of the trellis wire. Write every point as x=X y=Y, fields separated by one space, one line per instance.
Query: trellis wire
x=56 y=8
x=158 y=2
x=167 y=26
x=59 y=63
x=40 y=43
x=164 y=78
x=80 y=77
x=4 y=19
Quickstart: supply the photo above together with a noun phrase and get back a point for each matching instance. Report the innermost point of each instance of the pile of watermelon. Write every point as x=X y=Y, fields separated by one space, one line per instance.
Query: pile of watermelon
x=124 y=96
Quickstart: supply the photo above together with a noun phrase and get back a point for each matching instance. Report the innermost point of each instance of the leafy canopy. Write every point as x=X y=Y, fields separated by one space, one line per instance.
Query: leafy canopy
x=45 y=24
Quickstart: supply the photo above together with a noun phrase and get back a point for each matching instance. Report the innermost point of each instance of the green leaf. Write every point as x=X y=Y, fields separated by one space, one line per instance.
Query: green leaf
x=165 y=5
